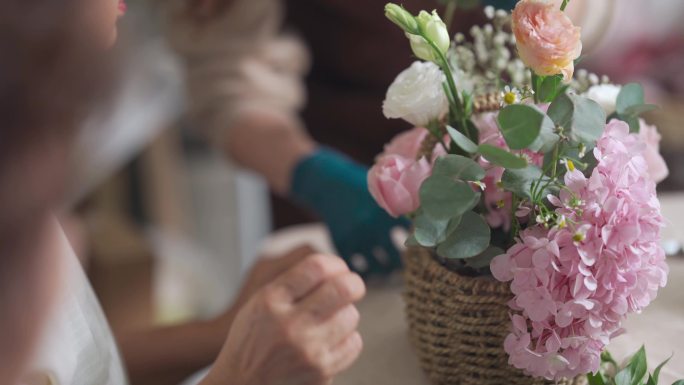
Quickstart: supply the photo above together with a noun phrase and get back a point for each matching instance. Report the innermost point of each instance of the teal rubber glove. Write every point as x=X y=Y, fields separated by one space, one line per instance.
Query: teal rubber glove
x=336 y=189
x=501 y=4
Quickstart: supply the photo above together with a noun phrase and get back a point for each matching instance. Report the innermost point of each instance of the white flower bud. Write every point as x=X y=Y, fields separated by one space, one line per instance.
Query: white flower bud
x=417 y=95
x=401 y=17
x=433 y=28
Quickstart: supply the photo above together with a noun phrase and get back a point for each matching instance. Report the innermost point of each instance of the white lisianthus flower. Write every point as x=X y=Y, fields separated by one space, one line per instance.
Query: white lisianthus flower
x=416 y=95
x=605 y=95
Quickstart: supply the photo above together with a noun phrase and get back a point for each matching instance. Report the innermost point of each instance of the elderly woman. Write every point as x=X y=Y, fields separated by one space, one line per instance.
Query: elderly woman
x=294 y=322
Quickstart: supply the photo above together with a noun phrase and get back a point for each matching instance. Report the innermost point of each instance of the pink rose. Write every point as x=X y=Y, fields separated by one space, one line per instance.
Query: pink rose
x=394 y=181
x=547 y=40
x=656 y=165
x=407 y=144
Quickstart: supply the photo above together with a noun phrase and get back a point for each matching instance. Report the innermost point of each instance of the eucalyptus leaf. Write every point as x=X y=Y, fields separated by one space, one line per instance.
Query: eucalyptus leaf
x=458 y=167
x=561 y=111
x=550 y=87
x=630 y=95
x=520 y=125
x=462 y=141
x=632 y=121
x=444 y=198
x=680 y=382
x=484 y=259
x=520 y=182
x=411 y=241
x=501 y=157
x=547 y=139
x=583 y=119
x=468 y=240
x=640 y=109
x=429 y=232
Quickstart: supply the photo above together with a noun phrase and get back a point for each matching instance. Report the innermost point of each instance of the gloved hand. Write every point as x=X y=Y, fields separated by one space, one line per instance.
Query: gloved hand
x=335 y=187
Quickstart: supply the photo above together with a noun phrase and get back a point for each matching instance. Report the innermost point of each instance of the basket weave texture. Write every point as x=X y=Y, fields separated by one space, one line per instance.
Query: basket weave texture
x=458 y=324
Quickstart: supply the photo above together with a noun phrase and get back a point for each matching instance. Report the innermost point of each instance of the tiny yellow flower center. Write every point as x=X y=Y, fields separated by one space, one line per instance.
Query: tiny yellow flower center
x=562 y=223
x=500 y=204
x=578 y=237
x=571 y=165
x=509 y=97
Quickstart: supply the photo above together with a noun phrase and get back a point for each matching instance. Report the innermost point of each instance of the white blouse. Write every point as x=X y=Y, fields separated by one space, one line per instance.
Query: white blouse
x=78 y=347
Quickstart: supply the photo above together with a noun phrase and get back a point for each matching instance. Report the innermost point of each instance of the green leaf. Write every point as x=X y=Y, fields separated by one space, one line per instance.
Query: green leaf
x=607 y=357
x=624 y=377
x=561 y=111
x=469 y=239
x=583 y=119
x=462 y=141
x=484 y=259
x=550 y=88
x=458 y=167
x=632 y=121
x=680 y=382
x=630 y=95
x=520 y=125
x=430 y=232
x=501 y=157
x=520 y=182
x=596 y=379
x=444 y=198
x=411 y=241
x=635 y=371
x=547 y=138
x=651 y=381
x=656 y=373
x=640 y=109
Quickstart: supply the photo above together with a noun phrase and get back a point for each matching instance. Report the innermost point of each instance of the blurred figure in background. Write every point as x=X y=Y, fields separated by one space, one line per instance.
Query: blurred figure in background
x=289 y=106
x=294 y=322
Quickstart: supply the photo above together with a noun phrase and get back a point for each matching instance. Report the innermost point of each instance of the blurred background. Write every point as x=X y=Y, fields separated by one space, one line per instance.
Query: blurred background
x=166 y=226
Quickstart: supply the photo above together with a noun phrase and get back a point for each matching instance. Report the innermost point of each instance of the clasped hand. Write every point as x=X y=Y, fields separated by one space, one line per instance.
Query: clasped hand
x=299 y=329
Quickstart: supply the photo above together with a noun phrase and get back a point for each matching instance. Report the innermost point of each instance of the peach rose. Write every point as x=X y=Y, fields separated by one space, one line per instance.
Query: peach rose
x=547 y=40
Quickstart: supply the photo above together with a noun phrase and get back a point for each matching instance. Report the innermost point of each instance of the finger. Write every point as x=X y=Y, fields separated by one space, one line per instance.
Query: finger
x=307 y=275
x=273 y=267
x=338 y=327
x=345 y=353
x=333 y=295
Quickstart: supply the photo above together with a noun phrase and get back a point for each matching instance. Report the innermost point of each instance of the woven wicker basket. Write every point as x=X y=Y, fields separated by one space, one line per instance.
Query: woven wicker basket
x=458 y=324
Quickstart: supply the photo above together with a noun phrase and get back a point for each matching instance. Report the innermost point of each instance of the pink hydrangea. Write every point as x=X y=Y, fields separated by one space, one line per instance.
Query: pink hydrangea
x=574 y=284
x=497 y=200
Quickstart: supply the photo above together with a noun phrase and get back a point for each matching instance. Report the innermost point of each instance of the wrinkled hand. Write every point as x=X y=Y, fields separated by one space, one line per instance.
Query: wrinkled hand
x=299 y=330
x=266 y=270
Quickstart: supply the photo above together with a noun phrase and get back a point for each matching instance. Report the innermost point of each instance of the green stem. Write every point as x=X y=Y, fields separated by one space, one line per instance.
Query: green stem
x=452 y=86
x=554 y=168
x=565 y=4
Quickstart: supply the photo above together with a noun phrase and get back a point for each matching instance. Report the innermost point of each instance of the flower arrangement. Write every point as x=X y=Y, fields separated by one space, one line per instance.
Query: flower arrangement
x=524 y=168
